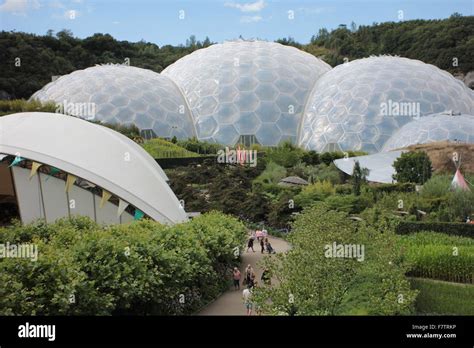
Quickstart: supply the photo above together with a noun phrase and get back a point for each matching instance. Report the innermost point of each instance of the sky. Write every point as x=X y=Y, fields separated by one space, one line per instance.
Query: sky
x=173 y=21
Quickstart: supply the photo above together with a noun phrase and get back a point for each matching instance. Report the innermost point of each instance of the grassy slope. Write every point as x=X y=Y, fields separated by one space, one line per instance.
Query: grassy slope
x=438 y=297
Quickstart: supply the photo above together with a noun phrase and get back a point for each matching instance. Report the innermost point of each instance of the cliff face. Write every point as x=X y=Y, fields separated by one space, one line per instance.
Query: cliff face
x=441 y=155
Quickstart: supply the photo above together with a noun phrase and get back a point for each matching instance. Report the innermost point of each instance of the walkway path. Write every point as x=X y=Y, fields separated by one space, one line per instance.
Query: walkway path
x=230 y=303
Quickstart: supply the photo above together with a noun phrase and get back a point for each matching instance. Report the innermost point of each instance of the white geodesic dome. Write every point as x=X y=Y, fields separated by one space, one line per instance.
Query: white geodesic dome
x=433 y=128
x=347 y=109
x=124 y=95
x=247 y=88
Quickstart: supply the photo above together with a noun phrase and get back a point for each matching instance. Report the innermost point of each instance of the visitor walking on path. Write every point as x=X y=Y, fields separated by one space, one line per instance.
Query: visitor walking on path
x=262 y=245
x=269 y=247
x=250 y=243
x=237 y=276
x=247 y=297
x=249 y=276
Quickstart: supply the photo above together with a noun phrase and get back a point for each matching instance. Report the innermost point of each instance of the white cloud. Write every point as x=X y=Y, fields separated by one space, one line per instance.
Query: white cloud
x=312 y=10
x=250 y=19
x=19 y=7
x=56 y=4
x=71 y=14
x=247 y=7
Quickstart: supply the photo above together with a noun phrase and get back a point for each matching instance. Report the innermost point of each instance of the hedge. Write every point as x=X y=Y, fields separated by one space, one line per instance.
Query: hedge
x=398 y=187
x=450 y=228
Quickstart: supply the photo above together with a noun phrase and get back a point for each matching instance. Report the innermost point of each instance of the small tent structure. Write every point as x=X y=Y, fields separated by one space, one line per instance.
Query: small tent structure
x=459 y=183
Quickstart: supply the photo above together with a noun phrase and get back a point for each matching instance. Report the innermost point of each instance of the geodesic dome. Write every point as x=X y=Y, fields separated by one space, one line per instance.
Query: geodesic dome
x=125 y=95
x=354 y=106
x=433 y=128
x=247 y=88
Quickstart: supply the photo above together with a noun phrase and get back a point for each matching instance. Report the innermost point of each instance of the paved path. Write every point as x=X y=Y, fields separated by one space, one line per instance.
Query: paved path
x=230 y=303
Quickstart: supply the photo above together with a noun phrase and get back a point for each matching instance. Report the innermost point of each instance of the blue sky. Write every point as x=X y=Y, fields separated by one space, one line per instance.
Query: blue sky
x=173 y=21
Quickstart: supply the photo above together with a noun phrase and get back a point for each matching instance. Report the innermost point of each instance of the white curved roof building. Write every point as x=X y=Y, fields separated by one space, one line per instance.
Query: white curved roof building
x=433 y=128
x=123 y=95
x=94 y=154
x=251 y=89
x=359 y=105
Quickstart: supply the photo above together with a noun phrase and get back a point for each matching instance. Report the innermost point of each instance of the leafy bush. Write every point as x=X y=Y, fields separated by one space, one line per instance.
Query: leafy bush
x=397 y=187
x=139 y=268
x=313 y=193
x=199 y=146
x=436 y=187
x=272 y=174
x=285 y=154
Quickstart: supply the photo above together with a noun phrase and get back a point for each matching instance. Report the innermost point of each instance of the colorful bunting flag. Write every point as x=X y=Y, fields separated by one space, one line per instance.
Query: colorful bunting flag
x=105 y=197
x=71 y=179
x=121 y=207
x=17 y=160
x=138 y=214
x=52 y=171
x=34 y=169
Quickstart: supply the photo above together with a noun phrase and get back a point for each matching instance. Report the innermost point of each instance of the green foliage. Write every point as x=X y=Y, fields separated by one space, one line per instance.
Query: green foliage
x=309 y=283
x=413 y=167
x=438 y=256
x=449 y=228
x=443 y=298
x=430 y=41
x=313 y=193
x=285 y=154
x=397 y=187
x=49 y=55
x=160 y=148
x=272 y=174
x=140 y=268
x=20 y=105
x=131 y=131
x=359 y=178
x=437 y=186
x=199 y=146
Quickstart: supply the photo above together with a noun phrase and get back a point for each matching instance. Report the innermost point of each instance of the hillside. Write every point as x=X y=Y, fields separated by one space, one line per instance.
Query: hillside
x=43 y=56
x=441 y=154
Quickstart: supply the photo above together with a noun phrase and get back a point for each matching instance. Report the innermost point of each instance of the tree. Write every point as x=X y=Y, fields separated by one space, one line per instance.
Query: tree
x=359 y=177
x=413 y=167
x=313 y=282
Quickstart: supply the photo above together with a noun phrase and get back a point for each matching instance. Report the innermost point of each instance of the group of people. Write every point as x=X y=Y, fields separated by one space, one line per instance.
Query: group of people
x=250 y=283
x=262 y=239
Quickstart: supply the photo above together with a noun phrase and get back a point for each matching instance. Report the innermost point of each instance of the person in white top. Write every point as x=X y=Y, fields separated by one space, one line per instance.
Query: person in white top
x=247 y=297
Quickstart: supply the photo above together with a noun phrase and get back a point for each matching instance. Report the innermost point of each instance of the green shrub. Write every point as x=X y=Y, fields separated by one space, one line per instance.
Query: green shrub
x=272 y=174
x=397 y=187
x=449 y=228
x=285 y=154
x=435 y=187
x=138 y=268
